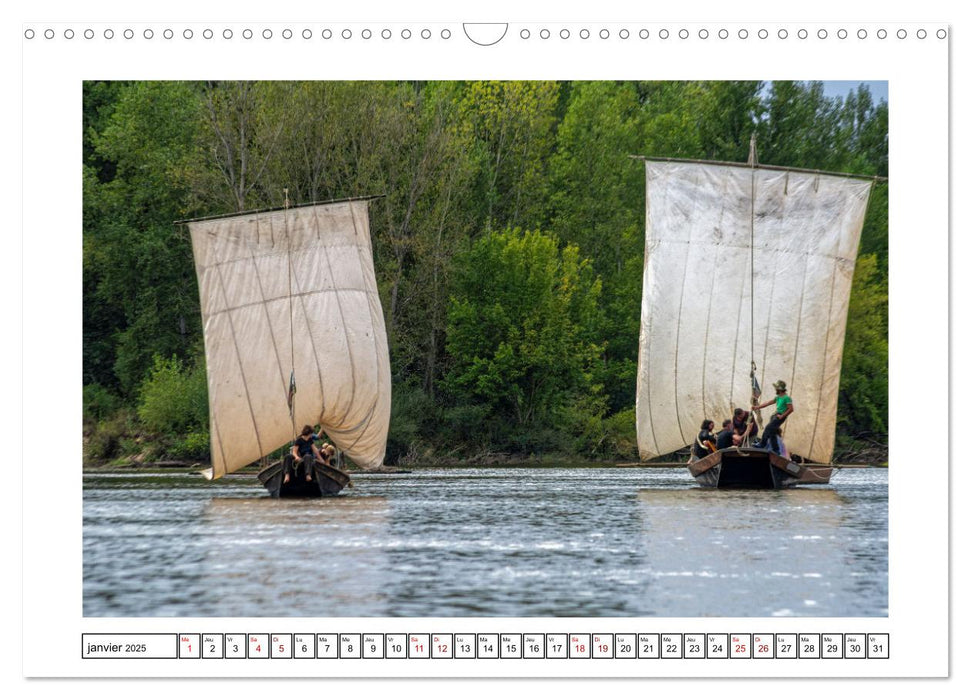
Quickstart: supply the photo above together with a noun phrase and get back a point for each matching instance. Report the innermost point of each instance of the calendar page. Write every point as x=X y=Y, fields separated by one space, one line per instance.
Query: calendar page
x=369 y=343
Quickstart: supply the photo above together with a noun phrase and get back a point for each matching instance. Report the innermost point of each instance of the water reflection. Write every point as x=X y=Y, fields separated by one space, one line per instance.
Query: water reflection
x=294 y=558
x=752 y=553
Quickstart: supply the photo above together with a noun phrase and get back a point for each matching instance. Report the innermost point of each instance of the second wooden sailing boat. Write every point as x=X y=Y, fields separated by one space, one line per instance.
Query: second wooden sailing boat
x=747 y=278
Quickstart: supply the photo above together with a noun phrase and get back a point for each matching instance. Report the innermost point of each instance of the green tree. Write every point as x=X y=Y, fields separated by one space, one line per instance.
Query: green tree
x=864 y=400
x=597 y=199
x=521 y=326
x=174 y=398
x=728 y=112
x=596 y=190
x=243 y=133
x=864 y=134
x=139 y=281
x=438 y=223
x=512 y=125
x=800 y=128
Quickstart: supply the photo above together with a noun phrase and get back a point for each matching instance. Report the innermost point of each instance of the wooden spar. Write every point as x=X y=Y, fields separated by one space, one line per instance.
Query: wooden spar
x=761 y=166
x=273 y=209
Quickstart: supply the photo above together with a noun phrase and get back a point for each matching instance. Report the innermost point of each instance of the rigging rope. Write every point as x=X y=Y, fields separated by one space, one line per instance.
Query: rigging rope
x=756 y=416
x=292 y=390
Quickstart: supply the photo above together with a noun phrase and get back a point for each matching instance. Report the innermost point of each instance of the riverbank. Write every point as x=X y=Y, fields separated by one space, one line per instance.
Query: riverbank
x=857 y=455
x=124 y=441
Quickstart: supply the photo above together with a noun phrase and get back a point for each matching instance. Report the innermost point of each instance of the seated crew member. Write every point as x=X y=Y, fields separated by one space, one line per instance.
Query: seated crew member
x=326 y=454
x=318 y=436
x=304 y=452
x=724 y=438
x=705 y=442
x=783 y=408
x=742 y=427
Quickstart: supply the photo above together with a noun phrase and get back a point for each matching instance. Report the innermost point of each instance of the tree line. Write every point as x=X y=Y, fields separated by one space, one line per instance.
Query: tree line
x=508 y=245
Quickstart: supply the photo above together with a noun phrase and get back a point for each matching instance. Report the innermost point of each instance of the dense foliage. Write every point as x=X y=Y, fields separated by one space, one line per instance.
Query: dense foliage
x=508 y=247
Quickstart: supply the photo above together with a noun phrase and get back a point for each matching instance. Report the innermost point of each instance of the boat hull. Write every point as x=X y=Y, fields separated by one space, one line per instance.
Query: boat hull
x=325 y=481
x=754 y=468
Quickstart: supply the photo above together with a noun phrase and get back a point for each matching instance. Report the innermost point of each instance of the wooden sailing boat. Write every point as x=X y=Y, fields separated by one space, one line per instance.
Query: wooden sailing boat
x=747 y=278
x=294 y=335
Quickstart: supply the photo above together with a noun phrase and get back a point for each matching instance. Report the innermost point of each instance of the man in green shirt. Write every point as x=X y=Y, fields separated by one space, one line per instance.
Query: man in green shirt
x=783 y=407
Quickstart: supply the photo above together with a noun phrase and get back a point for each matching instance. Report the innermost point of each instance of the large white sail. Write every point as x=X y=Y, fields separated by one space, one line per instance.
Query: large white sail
x=305 y=273
x=707 y=224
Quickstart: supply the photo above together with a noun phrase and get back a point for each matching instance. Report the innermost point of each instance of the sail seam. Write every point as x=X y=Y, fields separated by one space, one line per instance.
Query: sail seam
x=852 y=260
x=774 y=277
x=768 y=325
x=649 y=265
x=222 y=450
x=799 y=314
x=374 y=335
x=795 y=348
x=303 y=305
x=738 y=328
x=729 y=246
x=313 y=346
x=363 y=423
x=229 y=236
x=704 y=355
x=266 y=311
x=677 y=337
x=308 y=293
x=677 y=348
x=366 y=421
x=347 y=339
x=239 y=359
x=822 y=371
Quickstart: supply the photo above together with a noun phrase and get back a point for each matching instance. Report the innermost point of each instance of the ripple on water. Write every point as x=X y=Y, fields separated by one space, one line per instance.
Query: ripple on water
x=522 y=542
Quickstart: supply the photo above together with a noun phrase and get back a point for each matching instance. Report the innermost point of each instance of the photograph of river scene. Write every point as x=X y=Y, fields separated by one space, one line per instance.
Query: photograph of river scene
x=485 y=349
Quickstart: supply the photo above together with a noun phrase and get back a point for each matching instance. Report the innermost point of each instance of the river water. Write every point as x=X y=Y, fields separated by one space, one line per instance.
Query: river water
x=511 y=541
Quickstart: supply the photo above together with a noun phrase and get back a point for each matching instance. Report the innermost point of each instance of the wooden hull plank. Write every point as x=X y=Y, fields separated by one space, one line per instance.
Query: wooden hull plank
x=327 y=481
x=742 y=467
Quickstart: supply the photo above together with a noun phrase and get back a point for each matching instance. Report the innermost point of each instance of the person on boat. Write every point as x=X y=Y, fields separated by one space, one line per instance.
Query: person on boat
x=742 y=427
x=303 y=448
x=724 y=438
x=705 y=442
x=783 y=409
x=327 y=452
x=318 y=437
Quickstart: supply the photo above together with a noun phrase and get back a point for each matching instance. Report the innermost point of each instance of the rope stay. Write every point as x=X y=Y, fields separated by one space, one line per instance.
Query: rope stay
x=756 y=416
x=292 y=390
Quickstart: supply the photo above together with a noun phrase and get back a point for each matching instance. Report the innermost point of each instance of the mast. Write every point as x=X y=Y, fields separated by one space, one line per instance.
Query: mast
x=756 y=417
x=292 y=388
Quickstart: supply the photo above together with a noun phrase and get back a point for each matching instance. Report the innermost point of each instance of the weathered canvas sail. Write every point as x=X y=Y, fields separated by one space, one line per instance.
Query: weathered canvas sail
x=707 y=225
x=305 y=273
